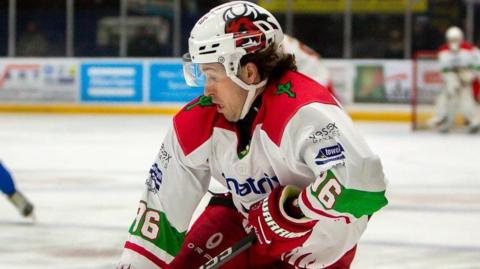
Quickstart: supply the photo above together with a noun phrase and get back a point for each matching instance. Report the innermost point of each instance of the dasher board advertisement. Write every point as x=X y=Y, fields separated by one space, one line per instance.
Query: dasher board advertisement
x=168 y=85
x=111 y=81
x=38 y=80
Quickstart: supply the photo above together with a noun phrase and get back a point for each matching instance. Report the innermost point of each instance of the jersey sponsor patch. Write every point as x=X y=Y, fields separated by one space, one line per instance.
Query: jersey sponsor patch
x=329 y=131
x=155 y=180
x=330 y=154
x=164 y=156
x=263 y=185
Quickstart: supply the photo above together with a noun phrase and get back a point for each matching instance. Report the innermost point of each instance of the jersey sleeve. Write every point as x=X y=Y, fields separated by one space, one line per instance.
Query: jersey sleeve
x=444 y=61
x=174 y=187
x=348 y=182
x=476 y=61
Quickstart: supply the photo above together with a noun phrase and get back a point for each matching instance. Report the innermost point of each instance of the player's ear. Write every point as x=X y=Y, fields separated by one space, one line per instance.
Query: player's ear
x=249 y=73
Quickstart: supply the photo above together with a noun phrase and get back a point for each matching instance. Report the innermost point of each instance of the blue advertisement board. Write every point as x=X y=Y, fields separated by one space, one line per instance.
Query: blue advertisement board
x=111 y=81
x=168 y=85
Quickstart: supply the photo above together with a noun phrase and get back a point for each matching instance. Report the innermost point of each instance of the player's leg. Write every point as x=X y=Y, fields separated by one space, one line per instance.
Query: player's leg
x=264 y=261
x=446 y=111
x=469 y=109
x=259 y=260
x=219 y=227
x=447 y=103
x=440 y=116
x=345 y=261
x=6 y=182
x=216 y=229
x=7 y=186
x=452 y=108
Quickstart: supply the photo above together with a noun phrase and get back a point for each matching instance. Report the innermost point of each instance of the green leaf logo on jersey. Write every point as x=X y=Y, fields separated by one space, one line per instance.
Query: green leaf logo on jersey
x=203 y=101
x=285 y=88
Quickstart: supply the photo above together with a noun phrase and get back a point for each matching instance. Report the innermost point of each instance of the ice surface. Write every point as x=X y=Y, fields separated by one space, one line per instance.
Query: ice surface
x=85 y=174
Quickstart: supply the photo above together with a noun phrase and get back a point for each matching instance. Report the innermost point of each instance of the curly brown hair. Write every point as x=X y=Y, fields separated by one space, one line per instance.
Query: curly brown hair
x=271 y=63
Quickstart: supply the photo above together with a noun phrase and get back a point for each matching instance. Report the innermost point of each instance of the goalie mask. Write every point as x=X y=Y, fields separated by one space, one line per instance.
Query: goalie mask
x=224 y=35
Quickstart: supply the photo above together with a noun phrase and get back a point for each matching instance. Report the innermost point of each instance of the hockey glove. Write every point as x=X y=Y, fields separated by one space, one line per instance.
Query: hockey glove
x=277 y=231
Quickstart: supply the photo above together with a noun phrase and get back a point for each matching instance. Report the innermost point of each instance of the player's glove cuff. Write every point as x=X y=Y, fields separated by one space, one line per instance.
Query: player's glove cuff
x=276 y=230
x=289 y=210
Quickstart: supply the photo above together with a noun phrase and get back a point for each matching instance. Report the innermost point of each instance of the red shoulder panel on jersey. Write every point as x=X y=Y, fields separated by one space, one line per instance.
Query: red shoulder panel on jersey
x=443 y=47
x=194 y=123
x=466 y=45
x=283 y=98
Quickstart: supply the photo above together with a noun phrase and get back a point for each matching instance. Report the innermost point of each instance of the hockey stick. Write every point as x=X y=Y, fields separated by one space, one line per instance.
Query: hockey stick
x=230 y=252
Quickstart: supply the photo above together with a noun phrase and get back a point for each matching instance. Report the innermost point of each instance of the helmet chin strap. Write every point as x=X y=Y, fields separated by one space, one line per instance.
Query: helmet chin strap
x=251 y=89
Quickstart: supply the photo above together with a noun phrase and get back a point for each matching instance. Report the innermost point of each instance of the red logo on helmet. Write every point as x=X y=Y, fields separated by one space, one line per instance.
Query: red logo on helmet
x=247 y=34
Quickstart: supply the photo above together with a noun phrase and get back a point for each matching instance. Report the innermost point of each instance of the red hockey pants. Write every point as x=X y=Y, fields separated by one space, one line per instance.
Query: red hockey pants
x=219 y=227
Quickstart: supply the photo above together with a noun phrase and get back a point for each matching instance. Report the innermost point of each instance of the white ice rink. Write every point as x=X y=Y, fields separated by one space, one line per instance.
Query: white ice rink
x=85 y=175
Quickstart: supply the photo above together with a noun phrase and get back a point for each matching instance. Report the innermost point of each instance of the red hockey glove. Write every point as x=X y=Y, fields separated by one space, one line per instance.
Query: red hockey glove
x=277 y=231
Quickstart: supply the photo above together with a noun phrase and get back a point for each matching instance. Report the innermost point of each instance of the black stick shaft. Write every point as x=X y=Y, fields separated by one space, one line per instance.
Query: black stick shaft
x=230 y=252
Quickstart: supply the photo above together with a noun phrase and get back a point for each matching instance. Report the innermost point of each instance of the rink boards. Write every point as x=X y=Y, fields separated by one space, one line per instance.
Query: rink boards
x=369 y=89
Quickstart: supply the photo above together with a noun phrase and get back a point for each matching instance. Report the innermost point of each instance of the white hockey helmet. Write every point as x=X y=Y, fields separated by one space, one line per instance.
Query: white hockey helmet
x=224 y=35
x=454 y=36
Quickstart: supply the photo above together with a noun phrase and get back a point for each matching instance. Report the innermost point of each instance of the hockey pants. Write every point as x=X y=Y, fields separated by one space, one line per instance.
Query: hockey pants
x=219 y=227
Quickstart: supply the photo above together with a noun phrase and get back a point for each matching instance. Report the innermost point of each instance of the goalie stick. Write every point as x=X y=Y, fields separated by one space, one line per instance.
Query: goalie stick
x=230 y=252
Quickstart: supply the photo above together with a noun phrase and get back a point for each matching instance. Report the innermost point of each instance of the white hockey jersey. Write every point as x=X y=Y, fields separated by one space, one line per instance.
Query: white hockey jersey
x=300 y=136
x=468 y=56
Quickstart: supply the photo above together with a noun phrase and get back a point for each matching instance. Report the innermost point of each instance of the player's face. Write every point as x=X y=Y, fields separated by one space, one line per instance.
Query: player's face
x=226 y=94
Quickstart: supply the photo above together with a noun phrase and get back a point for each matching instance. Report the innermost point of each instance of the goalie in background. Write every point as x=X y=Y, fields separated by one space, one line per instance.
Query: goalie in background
x=7 y=186
x=457 y=59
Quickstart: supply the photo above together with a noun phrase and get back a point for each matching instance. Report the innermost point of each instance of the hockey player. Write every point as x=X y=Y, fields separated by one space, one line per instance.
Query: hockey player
x=298 y=173
x=7 y=186
x=308 y=62
x=457 y=60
